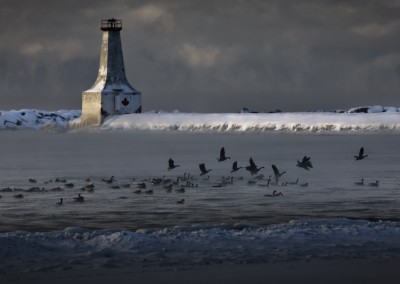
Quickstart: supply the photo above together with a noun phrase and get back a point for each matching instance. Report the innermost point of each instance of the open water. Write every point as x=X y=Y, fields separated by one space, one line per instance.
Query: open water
x=138 y=157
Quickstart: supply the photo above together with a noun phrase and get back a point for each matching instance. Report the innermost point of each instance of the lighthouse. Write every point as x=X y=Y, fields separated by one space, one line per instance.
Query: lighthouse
x=111 y=93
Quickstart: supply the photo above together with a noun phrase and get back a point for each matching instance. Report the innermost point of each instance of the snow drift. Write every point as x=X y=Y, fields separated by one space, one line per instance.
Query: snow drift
x=37 y=119
x=259 y=122
x=372 y=118
x=199 y=244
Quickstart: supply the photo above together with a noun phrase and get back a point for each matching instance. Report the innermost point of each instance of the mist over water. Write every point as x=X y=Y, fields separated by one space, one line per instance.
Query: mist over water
x=76 y=156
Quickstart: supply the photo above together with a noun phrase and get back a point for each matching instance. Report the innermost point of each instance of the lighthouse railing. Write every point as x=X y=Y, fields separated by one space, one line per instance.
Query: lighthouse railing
x=111 y=24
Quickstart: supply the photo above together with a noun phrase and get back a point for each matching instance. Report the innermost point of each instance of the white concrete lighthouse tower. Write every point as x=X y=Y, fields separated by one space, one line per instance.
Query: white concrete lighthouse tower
x=111 y=93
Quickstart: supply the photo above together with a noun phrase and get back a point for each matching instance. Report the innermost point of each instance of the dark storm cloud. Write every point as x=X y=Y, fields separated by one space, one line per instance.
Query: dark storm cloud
x=206 y=55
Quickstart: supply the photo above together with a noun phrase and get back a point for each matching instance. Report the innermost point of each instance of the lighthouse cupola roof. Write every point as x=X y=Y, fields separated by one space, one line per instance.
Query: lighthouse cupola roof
x=111 y=25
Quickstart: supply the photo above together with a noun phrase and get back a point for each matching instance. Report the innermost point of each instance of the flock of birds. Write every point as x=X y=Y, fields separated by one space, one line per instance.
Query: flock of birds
x=188 y=180
x=252 y=167
x=305 y=163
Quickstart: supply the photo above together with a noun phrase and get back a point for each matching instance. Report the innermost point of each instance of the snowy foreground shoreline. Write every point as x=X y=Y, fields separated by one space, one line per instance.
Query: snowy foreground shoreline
x=180 y=247
x=335 y=251
x=375 y=118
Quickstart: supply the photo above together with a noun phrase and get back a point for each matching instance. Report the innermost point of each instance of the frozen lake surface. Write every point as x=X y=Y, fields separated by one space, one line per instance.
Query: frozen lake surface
x=231 y=222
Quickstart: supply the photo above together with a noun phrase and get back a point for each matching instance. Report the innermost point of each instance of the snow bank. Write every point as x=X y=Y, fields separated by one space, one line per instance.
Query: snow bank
x=37 y=119
x=200 y=244
x=372 y=118
x=259 y=122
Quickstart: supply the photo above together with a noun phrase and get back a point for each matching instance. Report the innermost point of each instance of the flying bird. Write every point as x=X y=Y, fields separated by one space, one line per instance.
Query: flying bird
x=305 y=163
x=252 y=168
x=360 y=154
x=235 y=167
x=222 y=156
x=277 y=173
x=171 y=164
x=203 y=170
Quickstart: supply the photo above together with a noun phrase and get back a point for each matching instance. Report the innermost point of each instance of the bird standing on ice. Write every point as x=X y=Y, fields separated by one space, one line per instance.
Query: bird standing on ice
x=79 y=198
x=274 y=194
x=374 y=184
x=359 y=182
x=110 y=180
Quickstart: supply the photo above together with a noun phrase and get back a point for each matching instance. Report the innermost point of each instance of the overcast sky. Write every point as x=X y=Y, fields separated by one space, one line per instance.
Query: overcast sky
x=206 y=56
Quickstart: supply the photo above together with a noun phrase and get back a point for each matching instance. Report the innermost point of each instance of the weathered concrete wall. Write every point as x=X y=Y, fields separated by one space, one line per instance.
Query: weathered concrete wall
x=91 y=108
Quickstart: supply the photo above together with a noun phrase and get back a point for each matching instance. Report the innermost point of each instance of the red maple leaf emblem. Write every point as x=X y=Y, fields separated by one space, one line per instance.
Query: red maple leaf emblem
x=125 y=102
